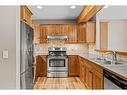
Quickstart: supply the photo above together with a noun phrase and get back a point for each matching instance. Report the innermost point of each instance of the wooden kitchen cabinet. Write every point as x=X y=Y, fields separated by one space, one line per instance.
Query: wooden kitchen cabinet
x=73 y=65
x=81 y=33
x=89 y=78
x=25 y=15
x=69 y=30
x=94 y=76
x=91 y=74
x=43 y=34
x=82 y=71
x=90 y=32
x=48 y=29
x=36 y=29
x=72 y=33
x=63 y=29
x=98 y=81
x=55 y=29
x=86 y=32
x=41 y=66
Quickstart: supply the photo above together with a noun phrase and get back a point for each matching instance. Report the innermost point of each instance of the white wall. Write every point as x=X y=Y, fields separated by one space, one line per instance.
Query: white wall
x=9 y=25
x=117 y=35
x=111 y=14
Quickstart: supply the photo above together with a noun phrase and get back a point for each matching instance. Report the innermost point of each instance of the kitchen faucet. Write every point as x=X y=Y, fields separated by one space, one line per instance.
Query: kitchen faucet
x=114 y=57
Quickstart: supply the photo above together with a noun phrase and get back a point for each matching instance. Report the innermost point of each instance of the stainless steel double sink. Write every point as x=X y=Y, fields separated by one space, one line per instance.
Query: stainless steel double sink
x=110 y=62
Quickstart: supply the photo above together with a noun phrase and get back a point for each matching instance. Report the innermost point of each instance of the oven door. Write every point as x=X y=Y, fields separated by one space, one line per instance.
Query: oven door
x=57 y=64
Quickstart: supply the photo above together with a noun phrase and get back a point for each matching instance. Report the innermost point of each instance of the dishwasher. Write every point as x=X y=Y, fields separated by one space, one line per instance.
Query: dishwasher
x=112 y=82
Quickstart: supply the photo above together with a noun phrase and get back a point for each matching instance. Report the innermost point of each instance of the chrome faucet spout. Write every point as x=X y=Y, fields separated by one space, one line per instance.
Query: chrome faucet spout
x=114 y=56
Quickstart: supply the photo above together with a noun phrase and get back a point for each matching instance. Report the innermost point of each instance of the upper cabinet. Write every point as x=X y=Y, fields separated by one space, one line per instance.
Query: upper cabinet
x=81 y=33
x=90 y=32
x=25 y=15
x=69 y=30
x=86 y=32
x=72 y=33
x=36 y=28
x=43 y=33
x=55 y=29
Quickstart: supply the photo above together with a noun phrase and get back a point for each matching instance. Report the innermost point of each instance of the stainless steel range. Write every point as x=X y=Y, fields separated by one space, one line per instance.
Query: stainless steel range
x=57 y=65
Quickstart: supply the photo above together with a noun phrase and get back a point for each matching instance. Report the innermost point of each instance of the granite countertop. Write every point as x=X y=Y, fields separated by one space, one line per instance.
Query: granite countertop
x=118 y=69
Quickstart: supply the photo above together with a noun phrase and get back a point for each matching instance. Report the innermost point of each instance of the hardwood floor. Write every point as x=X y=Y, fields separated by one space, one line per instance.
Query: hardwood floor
x=59 y=83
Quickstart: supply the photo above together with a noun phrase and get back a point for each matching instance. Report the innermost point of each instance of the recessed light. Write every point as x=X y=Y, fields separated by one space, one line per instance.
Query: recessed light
x=73 y=7
x=105 y=7
x=39 y=7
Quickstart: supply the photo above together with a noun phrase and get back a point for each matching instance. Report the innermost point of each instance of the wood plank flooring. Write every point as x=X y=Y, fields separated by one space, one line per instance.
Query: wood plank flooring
x=59 y=83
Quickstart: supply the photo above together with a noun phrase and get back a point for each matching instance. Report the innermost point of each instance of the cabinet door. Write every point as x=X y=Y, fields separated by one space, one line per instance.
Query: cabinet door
x=25 y=15
x=40 y=66
x=90 y=32
x=57 y=30
x=97 y=81
x=82 y=74
x=43 y=33
x=72 y=66
x=63 y=29
x=49 y=30
x=89 y=78
x=36 y=28
x=72 y=33
x=81 y=33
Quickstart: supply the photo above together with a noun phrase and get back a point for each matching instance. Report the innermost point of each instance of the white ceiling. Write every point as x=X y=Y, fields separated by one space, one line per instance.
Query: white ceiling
x=55 y=12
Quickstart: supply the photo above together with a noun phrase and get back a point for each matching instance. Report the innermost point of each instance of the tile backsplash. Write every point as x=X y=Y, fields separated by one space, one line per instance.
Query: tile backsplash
x=91 y=48
x=42 y=49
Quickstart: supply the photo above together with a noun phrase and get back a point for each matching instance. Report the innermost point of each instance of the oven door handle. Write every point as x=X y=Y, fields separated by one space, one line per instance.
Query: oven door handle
x=57 y=58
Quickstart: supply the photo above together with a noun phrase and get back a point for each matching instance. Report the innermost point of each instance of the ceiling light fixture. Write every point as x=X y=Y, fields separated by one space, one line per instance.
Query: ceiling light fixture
x=39 y=7
x=73 y=7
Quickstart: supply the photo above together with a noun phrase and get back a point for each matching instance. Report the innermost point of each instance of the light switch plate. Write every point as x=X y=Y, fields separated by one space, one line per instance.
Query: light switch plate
x=5 y=54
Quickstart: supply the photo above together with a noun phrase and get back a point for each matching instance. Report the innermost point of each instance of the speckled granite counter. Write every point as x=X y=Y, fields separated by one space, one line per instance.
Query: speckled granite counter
x=119 y=69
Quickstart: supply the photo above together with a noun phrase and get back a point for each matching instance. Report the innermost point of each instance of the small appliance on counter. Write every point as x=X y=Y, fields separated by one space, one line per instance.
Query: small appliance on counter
x=57 y=62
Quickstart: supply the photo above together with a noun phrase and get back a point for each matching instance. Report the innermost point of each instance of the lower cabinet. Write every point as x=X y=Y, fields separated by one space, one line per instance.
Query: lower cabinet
x=98 y=81
x=73 y=65
x=89 y=79
x=82 y=72
x=90 y=74
x=40 y=67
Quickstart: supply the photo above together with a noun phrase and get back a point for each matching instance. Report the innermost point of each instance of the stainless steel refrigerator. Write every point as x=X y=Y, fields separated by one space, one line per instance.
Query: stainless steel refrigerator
x=26 y=57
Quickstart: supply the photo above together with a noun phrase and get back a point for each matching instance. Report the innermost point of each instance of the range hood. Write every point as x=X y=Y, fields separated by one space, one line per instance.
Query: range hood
x=57 y=37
